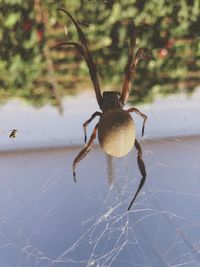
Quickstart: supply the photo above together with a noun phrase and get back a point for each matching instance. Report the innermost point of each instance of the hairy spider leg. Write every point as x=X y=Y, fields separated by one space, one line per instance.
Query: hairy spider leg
x=84 y=151
x=129 y=70
x=142 y=171
x=85 y=124
x=84 y=51
x=141 y=114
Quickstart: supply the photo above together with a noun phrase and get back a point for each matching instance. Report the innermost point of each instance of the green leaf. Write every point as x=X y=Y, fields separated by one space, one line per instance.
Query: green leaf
x=11 y=20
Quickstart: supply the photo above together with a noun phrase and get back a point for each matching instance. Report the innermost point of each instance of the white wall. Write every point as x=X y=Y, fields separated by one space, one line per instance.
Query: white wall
x=48 y=220
x=46 y=217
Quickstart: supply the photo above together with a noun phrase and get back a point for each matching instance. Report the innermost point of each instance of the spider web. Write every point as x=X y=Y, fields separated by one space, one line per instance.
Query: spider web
x=48 y=221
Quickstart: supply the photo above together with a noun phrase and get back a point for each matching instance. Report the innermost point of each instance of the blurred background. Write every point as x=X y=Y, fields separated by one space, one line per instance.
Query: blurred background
x=46 y=95
x=32 y=68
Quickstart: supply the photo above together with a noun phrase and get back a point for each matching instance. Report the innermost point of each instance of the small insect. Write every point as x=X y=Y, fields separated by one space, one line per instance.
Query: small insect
x=116 y=128
x=13 y=133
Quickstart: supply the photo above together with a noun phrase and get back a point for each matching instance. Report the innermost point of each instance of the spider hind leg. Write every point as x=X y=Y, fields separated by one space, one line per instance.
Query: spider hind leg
x=142 y=169
x=85 y=124
x=84 y=151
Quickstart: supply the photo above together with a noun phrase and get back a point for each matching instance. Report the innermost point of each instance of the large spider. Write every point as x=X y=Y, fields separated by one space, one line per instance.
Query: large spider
x=116 y=128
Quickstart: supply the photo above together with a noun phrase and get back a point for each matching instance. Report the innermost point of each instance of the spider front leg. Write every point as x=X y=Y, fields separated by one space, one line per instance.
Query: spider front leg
x=141 y=114
x=85 y=52
x=142 y=171
x=85 y=124
x=84 y=151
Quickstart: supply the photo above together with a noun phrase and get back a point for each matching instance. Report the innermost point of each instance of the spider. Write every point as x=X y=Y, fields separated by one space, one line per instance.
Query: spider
x=116 y=128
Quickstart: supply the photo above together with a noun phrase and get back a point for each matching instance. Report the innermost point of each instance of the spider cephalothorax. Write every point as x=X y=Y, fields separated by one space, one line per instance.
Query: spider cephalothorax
x=116 y=128
x=111 y=100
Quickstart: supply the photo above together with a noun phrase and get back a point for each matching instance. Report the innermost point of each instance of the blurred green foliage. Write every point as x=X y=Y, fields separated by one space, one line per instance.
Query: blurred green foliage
x=21 y=58
x=170 y=29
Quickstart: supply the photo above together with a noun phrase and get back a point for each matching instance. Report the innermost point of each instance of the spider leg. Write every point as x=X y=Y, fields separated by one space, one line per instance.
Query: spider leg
x=84 y=151
x=84 y=51
x=141 y=114
x=142 y=171
x=132 y=61
x=85 y=124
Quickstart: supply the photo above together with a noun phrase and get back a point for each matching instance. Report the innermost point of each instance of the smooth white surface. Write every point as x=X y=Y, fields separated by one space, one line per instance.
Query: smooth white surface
x=173 y=116
x=48 y=221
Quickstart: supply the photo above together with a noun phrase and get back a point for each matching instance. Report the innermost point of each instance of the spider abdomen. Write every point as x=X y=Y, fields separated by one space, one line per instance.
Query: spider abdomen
x=116 y=132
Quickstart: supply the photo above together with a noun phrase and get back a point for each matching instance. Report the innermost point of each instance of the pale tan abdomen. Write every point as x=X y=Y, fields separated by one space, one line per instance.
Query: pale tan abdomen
x=116 y=132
